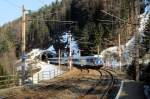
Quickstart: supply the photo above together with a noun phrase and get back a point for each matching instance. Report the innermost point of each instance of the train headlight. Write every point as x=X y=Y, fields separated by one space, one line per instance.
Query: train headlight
x=97 y=62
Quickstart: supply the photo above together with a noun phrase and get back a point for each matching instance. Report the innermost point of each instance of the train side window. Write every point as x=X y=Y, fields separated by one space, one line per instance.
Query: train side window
x=88 y=60
x=91 y=60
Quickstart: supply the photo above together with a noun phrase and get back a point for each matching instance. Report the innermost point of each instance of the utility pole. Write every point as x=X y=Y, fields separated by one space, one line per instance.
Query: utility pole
x=79 y=53
x=119 y=51
x=23 y=45
x=70 y=61
x=59 y=58
x=137 y=45
x=98 y=49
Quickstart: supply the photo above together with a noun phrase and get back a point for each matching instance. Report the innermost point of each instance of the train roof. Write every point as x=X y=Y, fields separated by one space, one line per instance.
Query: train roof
x=77 y=57
x=84 y=57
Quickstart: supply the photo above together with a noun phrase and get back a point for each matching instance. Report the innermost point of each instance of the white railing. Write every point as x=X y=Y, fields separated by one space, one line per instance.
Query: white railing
x=46 y=75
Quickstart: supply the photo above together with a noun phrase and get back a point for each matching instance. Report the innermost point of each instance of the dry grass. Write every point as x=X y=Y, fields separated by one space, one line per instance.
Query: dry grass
x=70 y=85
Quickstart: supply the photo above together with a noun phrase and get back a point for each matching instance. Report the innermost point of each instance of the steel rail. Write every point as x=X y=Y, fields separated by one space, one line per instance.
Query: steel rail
x=93 y=86
x=110 y=85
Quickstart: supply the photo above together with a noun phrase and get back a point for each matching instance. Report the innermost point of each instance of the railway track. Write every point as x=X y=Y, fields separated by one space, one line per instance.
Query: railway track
x=110 y=85
x=103 y=85
x=95 y=84
x=100 y=89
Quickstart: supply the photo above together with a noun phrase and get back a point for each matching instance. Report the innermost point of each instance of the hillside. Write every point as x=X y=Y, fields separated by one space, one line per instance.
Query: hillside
x=90 y=25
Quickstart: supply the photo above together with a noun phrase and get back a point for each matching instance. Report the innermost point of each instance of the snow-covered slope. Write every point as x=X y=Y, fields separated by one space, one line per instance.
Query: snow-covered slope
x=33 y=61
x=128 y=50
x=48 y=71
x=70 y=43
x=66 y=39
x=51 y=49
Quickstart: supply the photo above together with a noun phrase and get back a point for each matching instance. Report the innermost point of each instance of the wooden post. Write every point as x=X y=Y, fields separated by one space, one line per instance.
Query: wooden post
x=38 y=78
x=49 y=74
x=119 y=52
x=98 y=50
x=137 y=13
x=70 y=62
x=23 y=44
x=59 y=58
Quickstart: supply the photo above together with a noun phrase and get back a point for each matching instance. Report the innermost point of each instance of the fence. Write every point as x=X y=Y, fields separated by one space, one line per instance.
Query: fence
x=8 y=81
x=46 y=75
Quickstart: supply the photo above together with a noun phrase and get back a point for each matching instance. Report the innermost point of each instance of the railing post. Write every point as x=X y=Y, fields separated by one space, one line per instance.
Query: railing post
x=38 y=78
x=54 y=72
x=49 y=74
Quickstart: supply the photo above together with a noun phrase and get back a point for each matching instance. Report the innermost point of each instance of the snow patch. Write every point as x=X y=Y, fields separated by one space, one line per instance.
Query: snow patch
x=51 y=49
x=71 y=43
x=47 y=72
x=129 y=48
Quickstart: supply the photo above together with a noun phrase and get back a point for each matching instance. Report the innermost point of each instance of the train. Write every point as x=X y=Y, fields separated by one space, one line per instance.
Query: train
x=87 y=62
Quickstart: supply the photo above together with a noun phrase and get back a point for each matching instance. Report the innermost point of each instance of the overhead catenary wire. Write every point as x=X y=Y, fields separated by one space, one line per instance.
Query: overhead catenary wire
x=71 y=22
x=13 y=4
x=109 y=21
x=113 y=15
x=41 y=2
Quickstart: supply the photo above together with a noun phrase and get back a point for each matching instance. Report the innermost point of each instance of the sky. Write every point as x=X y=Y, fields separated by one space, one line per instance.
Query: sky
x=12 y=9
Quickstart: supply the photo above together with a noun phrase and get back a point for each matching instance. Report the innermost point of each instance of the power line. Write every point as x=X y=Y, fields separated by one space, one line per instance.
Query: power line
x=13 y=4
x=113 y=16
x=41 y=2
x=71 y=22
x=108 y=21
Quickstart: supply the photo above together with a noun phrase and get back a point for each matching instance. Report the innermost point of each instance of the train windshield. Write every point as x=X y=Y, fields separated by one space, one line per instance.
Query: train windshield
x=98 y=61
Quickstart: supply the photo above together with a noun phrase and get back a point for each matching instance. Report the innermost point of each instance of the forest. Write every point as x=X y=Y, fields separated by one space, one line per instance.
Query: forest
x=89 y=21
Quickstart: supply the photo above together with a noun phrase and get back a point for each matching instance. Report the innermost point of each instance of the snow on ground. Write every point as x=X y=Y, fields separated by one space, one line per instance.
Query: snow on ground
x=34 y=53
x=110 y=56
x=112 y=52
x=48 y=71
x=74 y=48
x=70 y=43
x=51 y=49
x=129 y=48
x=147 y=91
x=113 y=49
